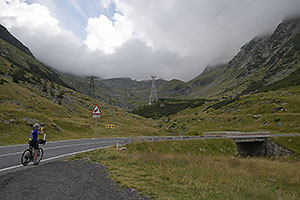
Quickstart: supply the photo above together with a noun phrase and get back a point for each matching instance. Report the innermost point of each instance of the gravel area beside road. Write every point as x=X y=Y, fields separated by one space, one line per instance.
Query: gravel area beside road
x=64 y=180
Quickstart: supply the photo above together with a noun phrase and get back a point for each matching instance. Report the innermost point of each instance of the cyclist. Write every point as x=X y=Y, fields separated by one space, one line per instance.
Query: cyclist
x=34 y=142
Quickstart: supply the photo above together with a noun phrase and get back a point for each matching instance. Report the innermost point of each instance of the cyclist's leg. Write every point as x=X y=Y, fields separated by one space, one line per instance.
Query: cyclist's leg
x=40 y=155
x=35 y=154
x=30 y=152
x=35 y=147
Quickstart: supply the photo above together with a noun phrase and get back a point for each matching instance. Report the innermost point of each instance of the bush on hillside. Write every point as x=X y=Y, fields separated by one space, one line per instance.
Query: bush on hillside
x=18 y=75
x=45 y=87
x=166 y=107
x=223 y=103
x=60 y=95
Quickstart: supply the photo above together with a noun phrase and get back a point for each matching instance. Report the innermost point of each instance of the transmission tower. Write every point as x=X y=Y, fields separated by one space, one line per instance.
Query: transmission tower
x=153 y=93
x=92 y=85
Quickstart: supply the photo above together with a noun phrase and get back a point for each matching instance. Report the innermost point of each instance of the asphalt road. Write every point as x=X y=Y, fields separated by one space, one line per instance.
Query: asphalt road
x=10 y=156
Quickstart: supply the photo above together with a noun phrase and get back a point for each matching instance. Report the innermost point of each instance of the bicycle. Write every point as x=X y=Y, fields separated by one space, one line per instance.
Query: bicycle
x=27 y=155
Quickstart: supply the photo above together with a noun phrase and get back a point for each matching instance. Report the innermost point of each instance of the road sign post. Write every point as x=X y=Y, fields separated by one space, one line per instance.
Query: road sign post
x=95 y=126
x=96 y=114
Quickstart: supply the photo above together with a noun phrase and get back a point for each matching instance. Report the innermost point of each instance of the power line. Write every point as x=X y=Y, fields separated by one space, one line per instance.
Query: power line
x=206 y=25
x=228 y=22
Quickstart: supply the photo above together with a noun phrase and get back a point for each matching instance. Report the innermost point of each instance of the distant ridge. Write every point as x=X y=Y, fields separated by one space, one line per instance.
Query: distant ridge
x=264 y=63
x=6 y=36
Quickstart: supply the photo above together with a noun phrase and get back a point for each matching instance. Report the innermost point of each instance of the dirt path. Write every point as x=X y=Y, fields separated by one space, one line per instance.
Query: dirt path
x=63 y=180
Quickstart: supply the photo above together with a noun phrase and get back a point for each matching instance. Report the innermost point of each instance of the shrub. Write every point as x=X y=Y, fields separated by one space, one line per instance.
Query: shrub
x=61 y=95
x=44 y=87
x=18 y=75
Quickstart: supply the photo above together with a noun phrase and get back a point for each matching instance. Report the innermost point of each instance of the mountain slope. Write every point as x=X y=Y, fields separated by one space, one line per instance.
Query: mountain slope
x=122 y=92
x=31 y=92
x=261 y=63
x=6 y=36
x=265 y=63
x=25 y=68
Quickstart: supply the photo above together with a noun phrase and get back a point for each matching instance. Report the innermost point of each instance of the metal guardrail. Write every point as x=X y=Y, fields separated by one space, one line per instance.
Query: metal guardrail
x=246 y=136
x=237 y=132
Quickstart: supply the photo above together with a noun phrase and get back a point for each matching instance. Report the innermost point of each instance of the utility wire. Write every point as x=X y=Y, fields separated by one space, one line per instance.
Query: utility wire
x=206 y=25
x=238 y=14
x=222 y=27
x=228 y=22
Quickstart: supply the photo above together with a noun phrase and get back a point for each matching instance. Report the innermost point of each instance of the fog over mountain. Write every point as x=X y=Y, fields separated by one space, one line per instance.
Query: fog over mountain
x=138 y=38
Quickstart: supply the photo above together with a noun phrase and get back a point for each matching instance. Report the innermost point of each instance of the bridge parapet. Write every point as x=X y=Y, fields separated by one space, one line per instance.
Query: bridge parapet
x=254 y=138
x=236 y=133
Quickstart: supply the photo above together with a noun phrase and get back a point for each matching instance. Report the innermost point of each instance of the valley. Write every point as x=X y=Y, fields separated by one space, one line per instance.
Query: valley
x=258 y=90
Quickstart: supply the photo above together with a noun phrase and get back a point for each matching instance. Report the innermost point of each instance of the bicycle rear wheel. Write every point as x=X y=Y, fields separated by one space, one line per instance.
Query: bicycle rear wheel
x=26 y=157
x=40 y=155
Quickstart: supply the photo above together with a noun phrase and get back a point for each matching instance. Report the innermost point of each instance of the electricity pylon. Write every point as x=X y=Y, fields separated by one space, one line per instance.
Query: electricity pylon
x=92 y=85
x=153 y=93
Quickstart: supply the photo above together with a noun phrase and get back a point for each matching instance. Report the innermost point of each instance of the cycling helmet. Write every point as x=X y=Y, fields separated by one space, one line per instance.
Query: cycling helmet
x=36 y=125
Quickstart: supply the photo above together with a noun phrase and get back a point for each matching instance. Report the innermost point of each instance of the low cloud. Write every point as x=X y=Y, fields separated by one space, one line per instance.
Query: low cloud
x=103 y=34
x=145 y=37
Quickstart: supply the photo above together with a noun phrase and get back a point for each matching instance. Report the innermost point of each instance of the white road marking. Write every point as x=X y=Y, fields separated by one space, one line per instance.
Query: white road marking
x=70 y=154
x=8 y=168
x=59 y=141
x=70 y=145
x=56 y=157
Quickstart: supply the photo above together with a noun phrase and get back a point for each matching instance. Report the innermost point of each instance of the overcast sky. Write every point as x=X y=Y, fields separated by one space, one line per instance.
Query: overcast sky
x=140 y=38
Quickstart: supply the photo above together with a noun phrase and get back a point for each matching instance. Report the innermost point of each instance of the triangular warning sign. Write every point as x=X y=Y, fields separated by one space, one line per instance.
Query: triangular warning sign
x=96 y=110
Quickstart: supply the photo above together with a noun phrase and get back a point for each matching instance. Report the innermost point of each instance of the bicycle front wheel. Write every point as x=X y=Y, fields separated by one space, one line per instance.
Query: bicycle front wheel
x=26 y=156
x=40 y=155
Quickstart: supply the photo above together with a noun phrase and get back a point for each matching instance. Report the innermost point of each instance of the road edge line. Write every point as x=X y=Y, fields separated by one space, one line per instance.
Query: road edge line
x=57 y=157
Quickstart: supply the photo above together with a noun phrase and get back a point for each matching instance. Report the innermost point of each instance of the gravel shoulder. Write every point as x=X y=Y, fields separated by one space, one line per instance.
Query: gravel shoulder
x=64 y=180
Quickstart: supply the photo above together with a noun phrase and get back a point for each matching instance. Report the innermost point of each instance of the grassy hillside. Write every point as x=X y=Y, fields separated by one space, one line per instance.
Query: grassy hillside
x=265 y=63
x=274 y=111
x=174 y=89
x=211 y=76
x=23 y=67
x=166 y=107
x=122 y=92
x=203 y=169
x=64 y=117
x=32 y=92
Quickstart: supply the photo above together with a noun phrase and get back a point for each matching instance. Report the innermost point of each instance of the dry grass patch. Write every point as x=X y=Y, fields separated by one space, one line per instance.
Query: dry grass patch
x=172 y=175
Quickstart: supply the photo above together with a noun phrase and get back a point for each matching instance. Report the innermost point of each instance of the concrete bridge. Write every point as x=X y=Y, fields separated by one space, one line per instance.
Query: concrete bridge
x=256 y=144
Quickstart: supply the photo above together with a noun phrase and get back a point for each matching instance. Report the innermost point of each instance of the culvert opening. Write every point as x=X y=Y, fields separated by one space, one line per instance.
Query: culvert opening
x=265 y=148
